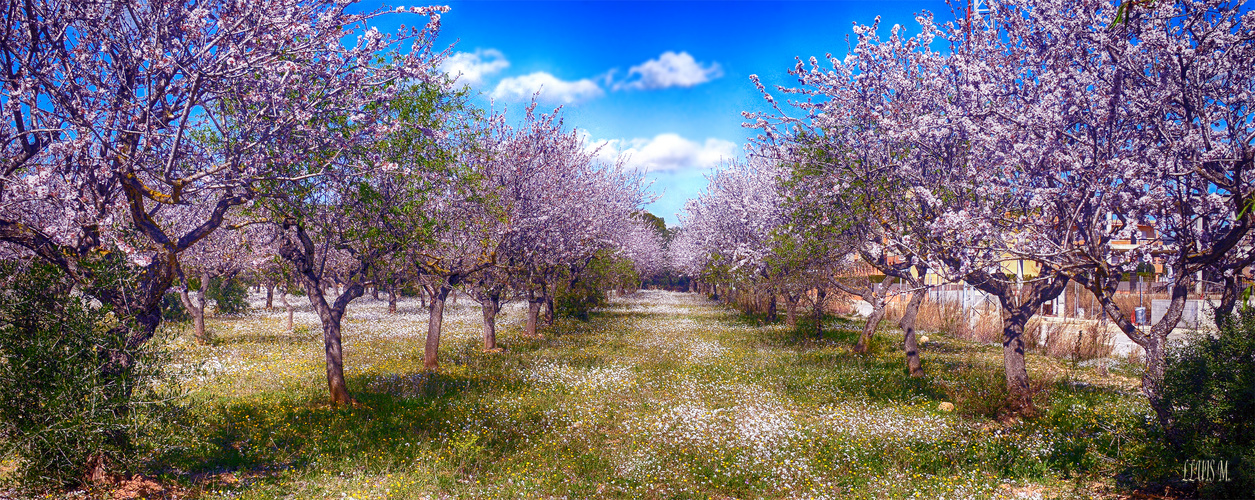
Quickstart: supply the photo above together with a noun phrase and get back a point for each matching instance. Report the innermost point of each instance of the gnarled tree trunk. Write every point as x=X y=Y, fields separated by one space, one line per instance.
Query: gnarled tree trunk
x=431 y=351
x=197 y=308
x=392 y=298
x=1020 y=301
x=873 y=320
x=490 y=305
x=909 y=342
x=790 y=309
x=874 y=293
x=821 y=296
x=533 y=312
x=302 y=256
x=771 y=307
x=1153 y=342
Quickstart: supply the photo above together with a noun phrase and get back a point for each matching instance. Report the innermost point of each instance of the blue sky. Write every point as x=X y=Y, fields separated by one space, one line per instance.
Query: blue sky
x=663 y=81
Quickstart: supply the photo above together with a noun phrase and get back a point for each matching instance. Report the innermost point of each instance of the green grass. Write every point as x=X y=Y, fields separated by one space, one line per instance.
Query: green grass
x=658 y=396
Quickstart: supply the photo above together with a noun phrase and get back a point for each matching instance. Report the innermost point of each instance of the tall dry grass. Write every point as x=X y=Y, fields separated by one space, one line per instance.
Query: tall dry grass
x=1075 y=340
x=980 y=324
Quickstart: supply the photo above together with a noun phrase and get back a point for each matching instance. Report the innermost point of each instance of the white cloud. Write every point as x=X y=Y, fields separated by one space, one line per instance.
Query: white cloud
x=471 y=67
x=551 y=88
x=670 y=70
x=667 y=152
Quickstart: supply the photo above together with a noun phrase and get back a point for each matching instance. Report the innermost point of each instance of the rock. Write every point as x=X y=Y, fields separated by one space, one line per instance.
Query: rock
x=923 y=340
x=946 y=406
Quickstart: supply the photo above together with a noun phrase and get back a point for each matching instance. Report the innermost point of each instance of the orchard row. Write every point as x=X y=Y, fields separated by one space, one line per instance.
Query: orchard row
x=1016 y=150
x=152 y=146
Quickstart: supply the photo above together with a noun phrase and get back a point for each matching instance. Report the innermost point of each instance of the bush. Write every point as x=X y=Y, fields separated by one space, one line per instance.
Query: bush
x=62 y=416
x=230 y=295
x=578 y=300
x=1209 y=382
x=587 y=291
x=172 y=309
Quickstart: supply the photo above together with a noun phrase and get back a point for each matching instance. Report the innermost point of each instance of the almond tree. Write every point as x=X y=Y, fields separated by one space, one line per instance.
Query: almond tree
x=560 y=207
x=642 y=245
x=734 y=222
x=327 y=231
x=895 y=147
x=224 y=254
x=459 y=215
x=114 y=109
x=1169 y=144
x=345 y=217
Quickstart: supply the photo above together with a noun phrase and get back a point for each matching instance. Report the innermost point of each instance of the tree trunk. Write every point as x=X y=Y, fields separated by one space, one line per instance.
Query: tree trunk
x=790 y=309
x=907 y=324
x=869 y=328
x=1153 y=342
x=1014 y=320
x=490 y=305
x=302 y=257
x=874 y=294
x=422 y=296
x=771 y=308
x=392 y=298
x=270 y=296
x=288 y=306
x=1228 y=300
x=821 y=296
x=533 y=311
x=197 y=309
x=432 y=349
x=374 y=292
x=549 y=309
x=333 y=351
x=335 y=360
x=1019 y=302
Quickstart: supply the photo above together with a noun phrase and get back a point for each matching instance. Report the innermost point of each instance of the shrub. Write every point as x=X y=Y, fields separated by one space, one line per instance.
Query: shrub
x=62 y=416
x=587 y=291
x=230 y=295
x=172 y=309
x=1209 y=382
x=578 y=300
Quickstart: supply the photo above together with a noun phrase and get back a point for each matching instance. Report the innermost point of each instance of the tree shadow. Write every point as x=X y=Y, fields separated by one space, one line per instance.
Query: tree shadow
x=395 y=417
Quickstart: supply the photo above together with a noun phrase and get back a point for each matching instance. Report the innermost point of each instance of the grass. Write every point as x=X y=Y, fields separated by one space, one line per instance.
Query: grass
x=659 y=395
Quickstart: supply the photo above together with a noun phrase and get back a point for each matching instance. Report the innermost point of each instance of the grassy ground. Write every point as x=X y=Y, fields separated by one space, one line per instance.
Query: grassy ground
x=660 y=395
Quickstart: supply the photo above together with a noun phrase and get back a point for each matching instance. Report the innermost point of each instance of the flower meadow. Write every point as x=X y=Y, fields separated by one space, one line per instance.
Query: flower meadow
x=658 y=395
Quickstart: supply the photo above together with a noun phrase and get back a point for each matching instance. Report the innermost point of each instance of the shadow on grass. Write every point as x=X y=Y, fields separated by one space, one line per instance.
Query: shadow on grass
x=398 y=418
x=297 y=336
